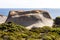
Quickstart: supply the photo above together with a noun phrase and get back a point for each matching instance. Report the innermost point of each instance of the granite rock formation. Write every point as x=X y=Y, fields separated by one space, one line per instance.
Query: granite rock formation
x=2 y=19
x=29 y=19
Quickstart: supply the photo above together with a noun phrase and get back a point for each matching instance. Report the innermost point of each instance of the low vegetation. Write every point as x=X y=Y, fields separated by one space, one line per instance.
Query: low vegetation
x=12 y=31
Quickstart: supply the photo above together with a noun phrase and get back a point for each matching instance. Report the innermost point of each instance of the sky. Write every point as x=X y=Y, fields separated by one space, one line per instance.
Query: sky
x=53 y=12
x=29 y=3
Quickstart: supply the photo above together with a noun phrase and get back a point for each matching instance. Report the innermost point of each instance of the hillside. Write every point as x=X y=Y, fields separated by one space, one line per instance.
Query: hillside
x=12 y=31
x=29 y=25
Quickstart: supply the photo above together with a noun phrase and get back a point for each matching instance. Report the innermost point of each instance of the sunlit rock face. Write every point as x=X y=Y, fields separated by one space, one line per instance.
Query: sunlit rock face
x=29 y=19
x=2 y=19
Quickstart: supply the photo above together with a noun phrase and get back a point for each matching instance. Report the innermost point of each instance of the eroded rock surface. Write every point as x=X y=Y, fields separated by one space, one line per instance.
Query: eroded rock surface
x=33 y=18
x=2 y=19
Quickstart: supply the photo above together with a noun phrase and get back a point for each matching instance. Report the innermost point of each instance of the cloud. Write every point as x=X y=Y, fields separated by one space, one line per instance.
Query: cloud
x=29 y=4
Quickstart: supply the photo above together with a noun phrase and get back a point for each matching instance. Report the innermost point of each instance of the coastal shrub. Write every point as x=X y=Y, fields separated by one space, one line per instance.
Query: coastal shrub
x=12 y=31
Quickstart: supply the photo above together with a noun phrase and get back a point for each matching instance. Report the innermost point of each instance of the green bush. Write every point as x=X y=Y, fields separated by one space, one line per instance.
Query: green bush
x=12 y=31
x=57 y=21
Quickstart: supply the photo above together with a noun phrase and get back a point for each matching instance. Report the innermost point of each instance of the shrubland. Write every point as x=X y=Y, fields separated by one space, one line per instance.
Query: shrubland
x=12 y=31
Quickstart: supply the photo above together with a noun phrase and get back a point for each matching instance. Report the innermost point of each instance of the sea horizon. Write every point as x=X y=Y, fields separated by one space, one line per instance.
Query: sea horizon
x=54 y=12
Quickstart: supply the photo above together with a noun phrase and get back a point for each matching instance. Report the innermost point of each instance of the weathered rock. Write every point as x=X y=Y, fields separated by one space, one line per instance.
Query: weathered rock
x=33 y=18
x=57 y=21
x=2 y=19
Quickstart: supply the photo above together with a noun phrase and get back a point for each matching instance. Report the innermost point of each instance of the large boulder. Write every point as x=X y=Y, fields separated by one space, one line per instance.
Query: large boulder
x=2 y=19
x=29 y=19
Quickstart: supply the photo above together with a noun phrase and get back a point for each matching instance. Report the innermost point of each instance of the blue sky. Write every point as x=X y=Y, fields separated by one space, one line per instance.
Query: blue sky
x=53 y=12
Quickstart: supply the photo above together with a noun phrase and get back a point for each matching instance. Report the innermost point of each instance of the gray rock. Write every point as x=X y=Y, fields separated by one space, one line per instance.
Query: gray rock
x=33 y=18
x=2 y=19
